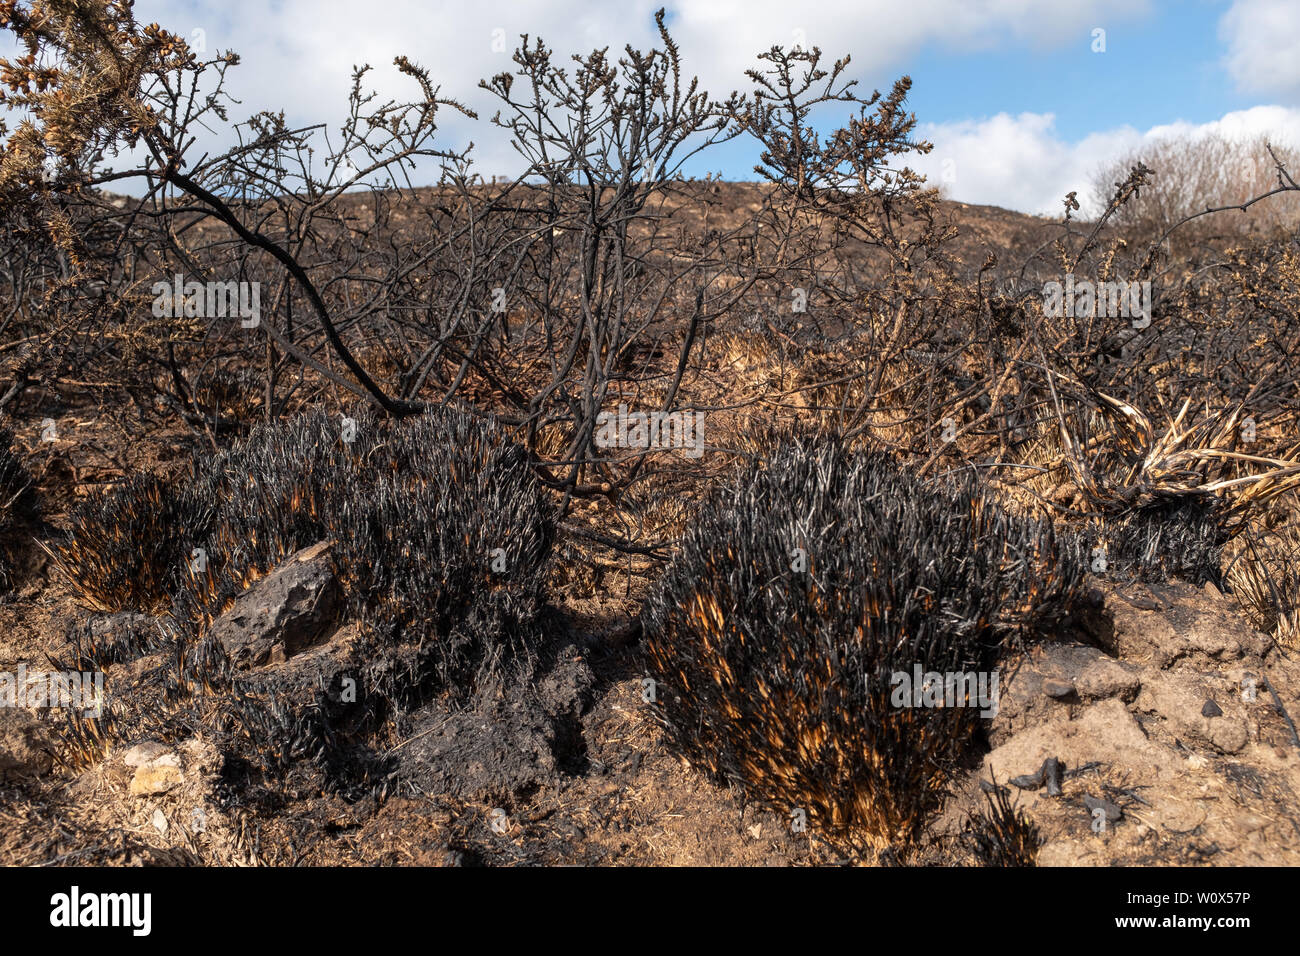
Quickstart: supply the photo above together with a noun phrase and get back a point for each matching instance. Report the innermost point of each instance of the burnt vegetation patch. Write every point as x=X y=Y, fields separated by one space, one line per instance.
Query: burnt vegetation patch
x=439 y=538
x=1167 y=539
x=1000 y=834
x=903 y=457
x=776 y=635
x=128 y=548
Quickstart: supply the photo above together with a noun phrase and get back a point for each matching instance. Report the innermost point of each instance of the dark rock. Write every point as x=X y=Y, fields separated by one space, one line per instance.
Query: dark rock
x=1211 y=709
x=1112 y=811
x=1058 y=689
x=1028 y=781
x=1052 y=773
x=286 y=612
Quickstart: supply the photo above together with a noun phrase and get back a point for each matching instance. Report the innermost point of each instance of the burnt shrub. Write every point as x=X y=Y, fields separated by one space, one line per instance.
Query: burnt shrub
x=776 y=635
x=1001 y=835
x=126 y=548
x=442 y=536
x=444 y=556
x=275 y=492
x=441 y=532
x=1175 y=537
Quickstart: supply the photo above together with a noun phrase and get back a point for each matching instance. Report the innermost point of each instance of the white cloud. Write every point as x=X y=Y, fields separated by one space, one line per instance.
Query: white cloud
x=1263 y=38
x=726 y=35
x=1020 y=162
x=298 y=55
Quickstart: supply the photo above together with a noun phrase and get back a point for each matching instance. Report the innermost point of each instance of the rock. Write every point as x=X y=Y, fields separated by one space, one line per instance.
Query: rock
x=1211 y=709
x=1029 y=781
x=25 y=750
x=1053 y=775
x=1111 y=810
x=1228 y=735
x=143 y=754
x=1058 y=689
x=284 y=613
x=157 y=768
x=1051 y=772
x=152 y=780
x=1108 y=678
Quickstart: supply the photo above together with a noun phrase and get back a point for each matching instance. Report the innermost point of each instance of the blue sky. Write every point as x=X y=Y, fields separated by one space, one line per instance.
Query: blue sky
x=1156 y=67
x=1020 y=106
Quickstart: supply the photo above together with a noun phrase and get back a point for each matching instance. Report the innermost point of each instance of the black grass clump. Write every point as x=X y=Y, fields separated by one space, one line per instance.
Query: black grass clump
x=441 y=533
x=441 y=537
x=124 y=637
x=17 y=505
x=129 y=547
x=275 y=492
x=1001 y=835
x=775 y=635
x=245 y=508
x=1182 y=538
x=445 y=558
